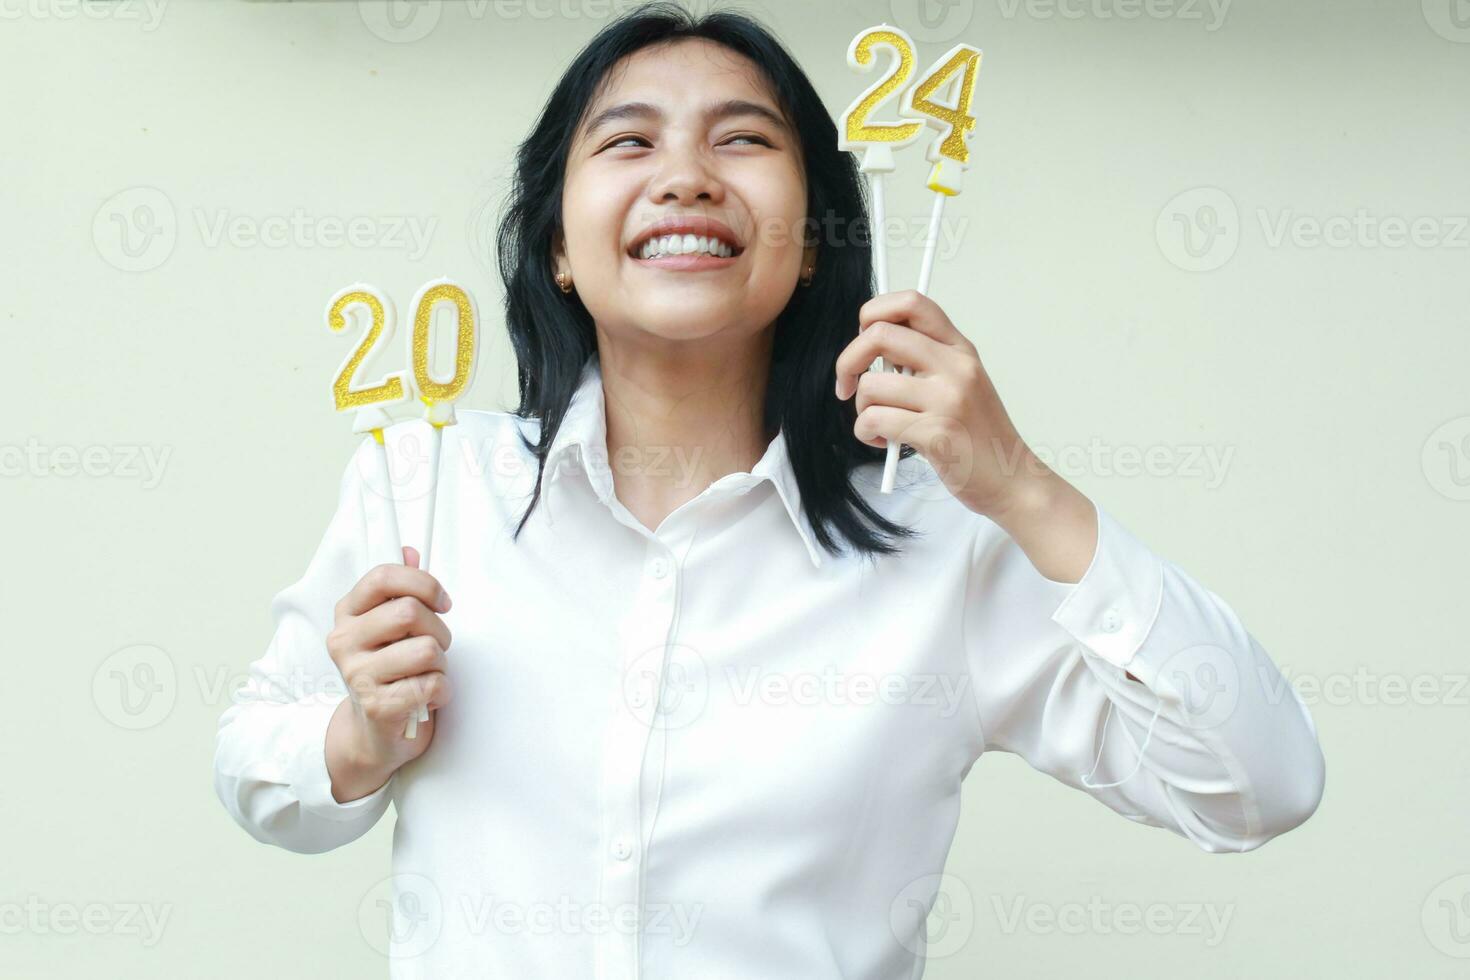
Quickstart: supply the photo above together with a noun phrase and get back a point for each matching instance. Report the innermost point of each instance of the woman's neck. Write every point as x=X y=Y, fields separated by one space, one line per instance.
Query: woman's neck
x=677 y=422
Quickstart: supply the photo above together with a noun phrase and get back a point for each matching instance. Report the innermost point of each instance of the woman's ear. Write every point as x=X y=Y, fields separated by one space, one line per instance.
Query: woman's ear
x=559 y=255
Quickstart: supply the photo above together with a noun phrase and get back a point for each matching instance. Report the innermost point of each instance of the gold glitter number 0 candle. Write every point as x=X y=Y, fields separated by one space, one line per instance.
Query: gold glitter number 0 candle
x=438 y=396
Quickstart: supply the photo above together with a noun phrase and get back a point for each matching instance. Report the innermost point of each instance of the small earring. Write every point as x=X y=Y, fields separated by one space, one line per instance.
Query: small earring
x=564 y=282
x=806 y=277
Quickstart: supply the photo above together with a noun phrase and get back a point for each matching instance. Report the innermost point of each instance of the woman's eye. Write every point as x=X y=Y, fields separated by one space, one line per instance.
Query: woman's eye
x=759 y=140
x=620 y=141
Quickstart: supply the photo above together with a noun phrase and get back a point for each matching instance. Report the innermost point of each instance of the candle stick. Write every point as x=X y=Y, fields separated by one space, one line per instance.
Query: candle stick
x=439 y=396
x=369 y=404
x=950 y=155
x=876 y=141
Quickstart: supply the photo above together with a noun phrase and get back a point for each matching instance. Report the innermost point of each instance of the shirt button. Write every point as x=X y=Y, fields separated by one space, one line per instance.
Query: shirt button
x=621 y=849
x=659 y=567
x=1111 y=621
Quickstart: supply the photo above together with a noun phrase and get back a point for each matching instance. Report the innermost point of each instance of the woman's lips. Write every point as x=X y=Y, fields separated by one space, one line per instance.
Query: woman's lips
x=697 y=262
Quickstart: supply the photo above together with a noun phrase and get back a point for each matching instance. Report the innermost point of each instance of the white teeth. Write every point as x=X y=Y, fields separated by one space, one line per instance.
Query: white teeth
x=684 y=245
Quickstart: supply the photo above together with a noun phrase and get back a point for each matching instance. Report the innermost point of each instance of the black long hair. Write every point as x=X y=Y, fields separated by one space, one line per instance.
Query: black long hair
x=553 y=333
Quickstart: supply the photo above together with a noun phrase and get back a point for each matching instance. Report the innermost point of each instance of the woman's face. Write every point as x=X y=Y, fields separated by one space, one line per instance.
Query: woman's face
x=684 y=143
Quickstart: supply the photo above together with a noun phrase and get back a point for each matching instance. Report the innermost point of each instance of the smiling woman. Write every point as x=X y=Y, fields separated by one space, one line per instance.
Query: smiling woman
x=620 y=188
x=717 y=745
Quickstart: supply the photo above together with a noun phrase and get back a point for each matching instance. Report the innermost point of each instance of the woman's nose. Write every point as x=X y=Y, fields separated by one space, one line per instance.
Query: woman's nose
x=685 y=178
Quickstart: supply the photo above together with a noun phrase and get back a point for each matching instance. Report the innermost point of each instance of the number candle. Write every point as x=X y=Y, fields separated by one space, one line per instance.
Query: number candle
x=439 y=395
x=950 y=154
x=369 y=404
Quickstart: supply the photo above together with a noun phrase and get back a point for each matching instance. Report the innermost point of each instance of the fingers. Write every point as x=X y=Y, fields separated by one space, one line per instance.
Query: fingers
x=916 y=311
x=892 y=388
x=406 y=658
x=410 y=556
x=399 y=619
x=897 y=343
x=391 y=704
x=390 y=582
x=431 y=690
x=879 y=423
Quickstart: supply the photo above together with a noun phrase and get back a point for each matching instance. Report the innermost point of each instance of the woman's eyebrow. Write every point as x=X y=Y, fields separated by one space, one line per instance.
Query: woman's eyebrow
x=716 y=112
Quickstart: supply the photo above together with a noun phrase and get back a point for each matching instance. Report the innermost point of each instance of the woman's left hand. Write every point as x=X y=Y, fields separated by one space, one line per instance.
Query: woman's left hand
x=947 y=409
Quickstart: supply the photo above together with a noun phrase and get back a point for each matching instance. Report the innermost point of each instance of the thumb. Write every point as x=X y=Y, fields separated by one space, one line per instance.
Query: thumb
x=410 y=557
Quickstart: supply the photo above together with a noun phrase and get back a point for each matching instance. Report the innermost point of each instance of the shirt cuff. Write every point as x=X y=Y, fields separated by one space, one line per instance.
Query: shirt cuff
x=1111 y=610
x=309 y=776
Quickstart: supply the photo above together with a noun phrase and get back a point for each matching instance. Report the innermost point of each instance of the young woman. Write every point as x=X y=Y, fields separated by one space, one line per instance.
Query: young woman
x=714 y=694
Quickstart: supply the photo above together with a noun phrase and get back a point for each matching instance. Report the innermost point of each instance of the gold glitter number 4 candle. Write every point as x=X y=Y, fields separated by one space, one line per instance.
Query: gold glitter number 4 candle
x=949 y=153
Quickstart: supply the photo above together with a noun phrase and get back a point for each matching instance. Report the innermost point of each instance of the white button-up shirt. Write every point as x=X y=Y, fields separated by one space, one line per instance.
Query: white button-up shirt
x=711 y=750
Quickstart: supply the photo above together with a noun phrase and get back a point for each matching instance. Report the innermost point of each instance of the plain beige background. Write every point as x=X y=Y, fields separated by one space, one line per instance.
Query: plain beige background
x=1229 y=239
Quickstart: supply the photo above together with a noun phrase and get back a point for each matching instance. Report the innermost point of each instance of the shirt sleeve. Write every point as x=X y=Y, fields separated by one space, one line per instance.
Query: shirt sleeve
x=270 y=768
x=1209 y=741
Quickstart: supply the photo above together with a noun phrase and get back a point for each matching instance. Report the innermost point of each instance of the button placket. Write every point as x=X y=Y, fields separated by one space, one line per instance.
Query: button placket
x=645 y=634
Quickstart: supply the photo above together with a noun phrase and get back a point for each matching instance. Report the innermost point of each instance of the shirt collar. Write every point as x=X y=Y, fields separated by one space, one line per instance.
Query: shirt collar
x=584 y=428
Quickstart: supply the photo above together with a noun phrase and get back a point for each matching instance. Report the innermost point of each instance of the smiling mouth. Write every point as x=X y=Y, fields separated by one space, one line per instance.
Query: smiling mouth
x=684 y=252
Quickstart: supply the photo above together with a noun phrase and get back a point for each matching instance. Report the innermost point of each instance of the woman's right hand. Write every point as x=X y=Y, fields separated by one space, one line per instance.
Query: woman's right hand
x=388 y=643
